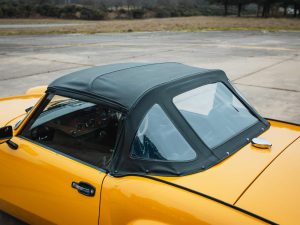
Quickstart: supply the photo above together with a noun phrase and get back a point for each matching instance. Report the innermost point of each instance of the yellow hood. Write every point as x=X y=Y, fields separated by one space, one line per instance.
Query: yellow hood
x=13 y=107
x=275 y=194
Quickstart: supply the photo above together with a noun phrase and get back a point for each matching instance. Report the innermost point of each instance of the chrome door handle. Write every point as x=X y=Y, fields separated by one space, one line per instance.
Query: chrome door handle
x=84 y=188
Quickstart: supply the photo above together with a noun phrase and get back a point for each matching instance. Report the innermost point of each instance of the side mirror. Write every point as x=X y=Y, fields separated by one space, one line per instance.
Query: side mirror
x=6 y=133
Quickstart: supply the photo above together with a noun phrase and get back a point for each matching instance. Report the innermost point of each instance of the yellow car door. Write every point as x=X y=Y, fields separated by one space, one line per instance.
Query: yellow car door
x=55 y=174
x=36 y=186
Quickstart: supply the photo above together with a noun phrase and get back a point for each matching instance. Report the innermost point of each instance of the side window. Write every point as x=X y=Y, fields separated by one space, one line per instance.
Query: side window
x=83 y=130
x=158 y=139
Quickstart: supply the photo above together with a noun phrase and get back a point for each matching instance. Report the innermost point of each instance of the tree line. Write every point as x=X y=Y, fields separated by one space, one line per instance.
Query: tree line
x=135 y=9
x=265 y=8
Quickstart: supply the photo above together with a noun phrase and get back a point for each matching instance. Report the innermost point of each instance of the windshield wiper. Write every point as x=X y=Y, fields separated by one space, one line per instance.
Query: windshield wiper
x=28 y=109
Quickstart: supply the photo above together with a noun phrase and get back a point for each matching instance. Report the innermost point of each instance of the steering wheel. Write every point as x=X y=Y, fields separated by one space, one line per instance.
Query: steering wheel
x=42 y=133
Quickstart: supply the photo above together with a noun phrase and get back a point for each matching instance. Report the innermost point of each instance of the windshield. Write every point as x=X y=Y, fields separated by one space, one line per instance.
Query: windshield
x=60 y=106
x=214 y=113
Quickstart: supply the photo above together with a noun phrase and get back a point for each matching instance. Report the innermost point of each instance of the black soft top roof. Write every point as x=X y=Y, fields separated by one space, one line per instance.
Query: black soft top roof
x=136 y=87
x=124 y=83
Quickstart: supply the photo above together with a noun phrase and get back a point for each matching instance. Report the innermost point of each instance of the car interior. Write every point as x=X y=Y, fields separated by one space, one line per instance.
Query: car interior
x=83 y=130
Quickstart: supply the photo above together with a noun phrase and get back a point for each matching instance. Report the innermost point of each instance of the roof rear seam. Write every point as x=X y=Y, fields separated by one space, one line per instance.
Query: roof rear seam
x=264 y=171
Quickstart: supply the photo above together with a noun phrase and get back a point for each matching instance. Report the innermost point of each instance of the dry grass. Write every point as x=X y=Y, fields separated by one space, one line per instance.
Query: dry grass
x=199 y=23
x=40 y=21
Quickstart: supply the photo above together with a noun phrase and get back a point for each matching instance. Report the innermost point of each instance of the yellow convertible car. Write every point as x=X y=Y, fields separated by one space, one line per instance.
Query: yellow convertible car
x=143 y=144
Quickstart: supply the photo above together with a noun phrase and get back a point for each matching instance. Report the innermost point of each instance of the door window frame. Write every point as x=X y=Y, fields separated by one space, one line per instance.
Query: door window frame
x=34 y=114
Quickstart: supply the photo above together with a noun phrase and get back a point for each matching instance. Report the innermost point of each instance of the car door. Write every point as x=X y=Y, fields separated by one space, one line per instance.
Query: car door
x=48 y=181
x=36 y=186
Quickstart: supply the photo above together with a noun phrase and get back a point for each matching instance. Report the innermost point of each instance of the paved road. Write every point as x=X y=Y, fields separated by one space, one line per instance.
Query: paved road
x=264 y=66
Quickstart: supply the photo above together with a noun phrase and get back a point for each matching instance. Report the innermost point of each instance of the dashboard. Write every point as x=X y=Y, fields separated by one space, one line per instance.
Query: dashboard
x=75 y=120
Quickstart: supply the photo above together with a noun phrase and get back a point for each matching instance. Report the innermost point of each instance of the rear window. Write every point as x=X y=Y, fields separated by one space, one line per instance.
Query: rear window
x=214 y=113
x=158 y=139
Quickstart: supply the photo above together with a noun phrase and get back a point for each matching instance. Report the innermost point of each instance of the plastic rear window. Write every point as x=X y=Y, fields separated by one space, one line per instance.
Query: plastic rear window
x=214 y=113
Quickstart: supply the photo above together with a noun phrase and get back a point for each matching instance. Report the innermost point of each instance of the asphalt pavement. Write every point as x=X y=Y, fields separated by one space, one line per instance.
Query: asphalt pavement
x=264 y=66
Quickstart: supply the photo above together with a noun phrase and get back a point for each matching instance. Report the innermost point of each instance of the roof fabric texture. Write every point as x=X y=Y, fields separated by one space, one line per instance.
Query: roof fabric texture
x=124 y=83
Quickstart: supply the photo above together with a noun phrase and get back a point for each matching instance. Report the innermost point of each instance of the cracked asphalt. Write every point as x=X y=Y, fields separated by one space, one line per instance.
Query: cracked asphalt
x=264 y=66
